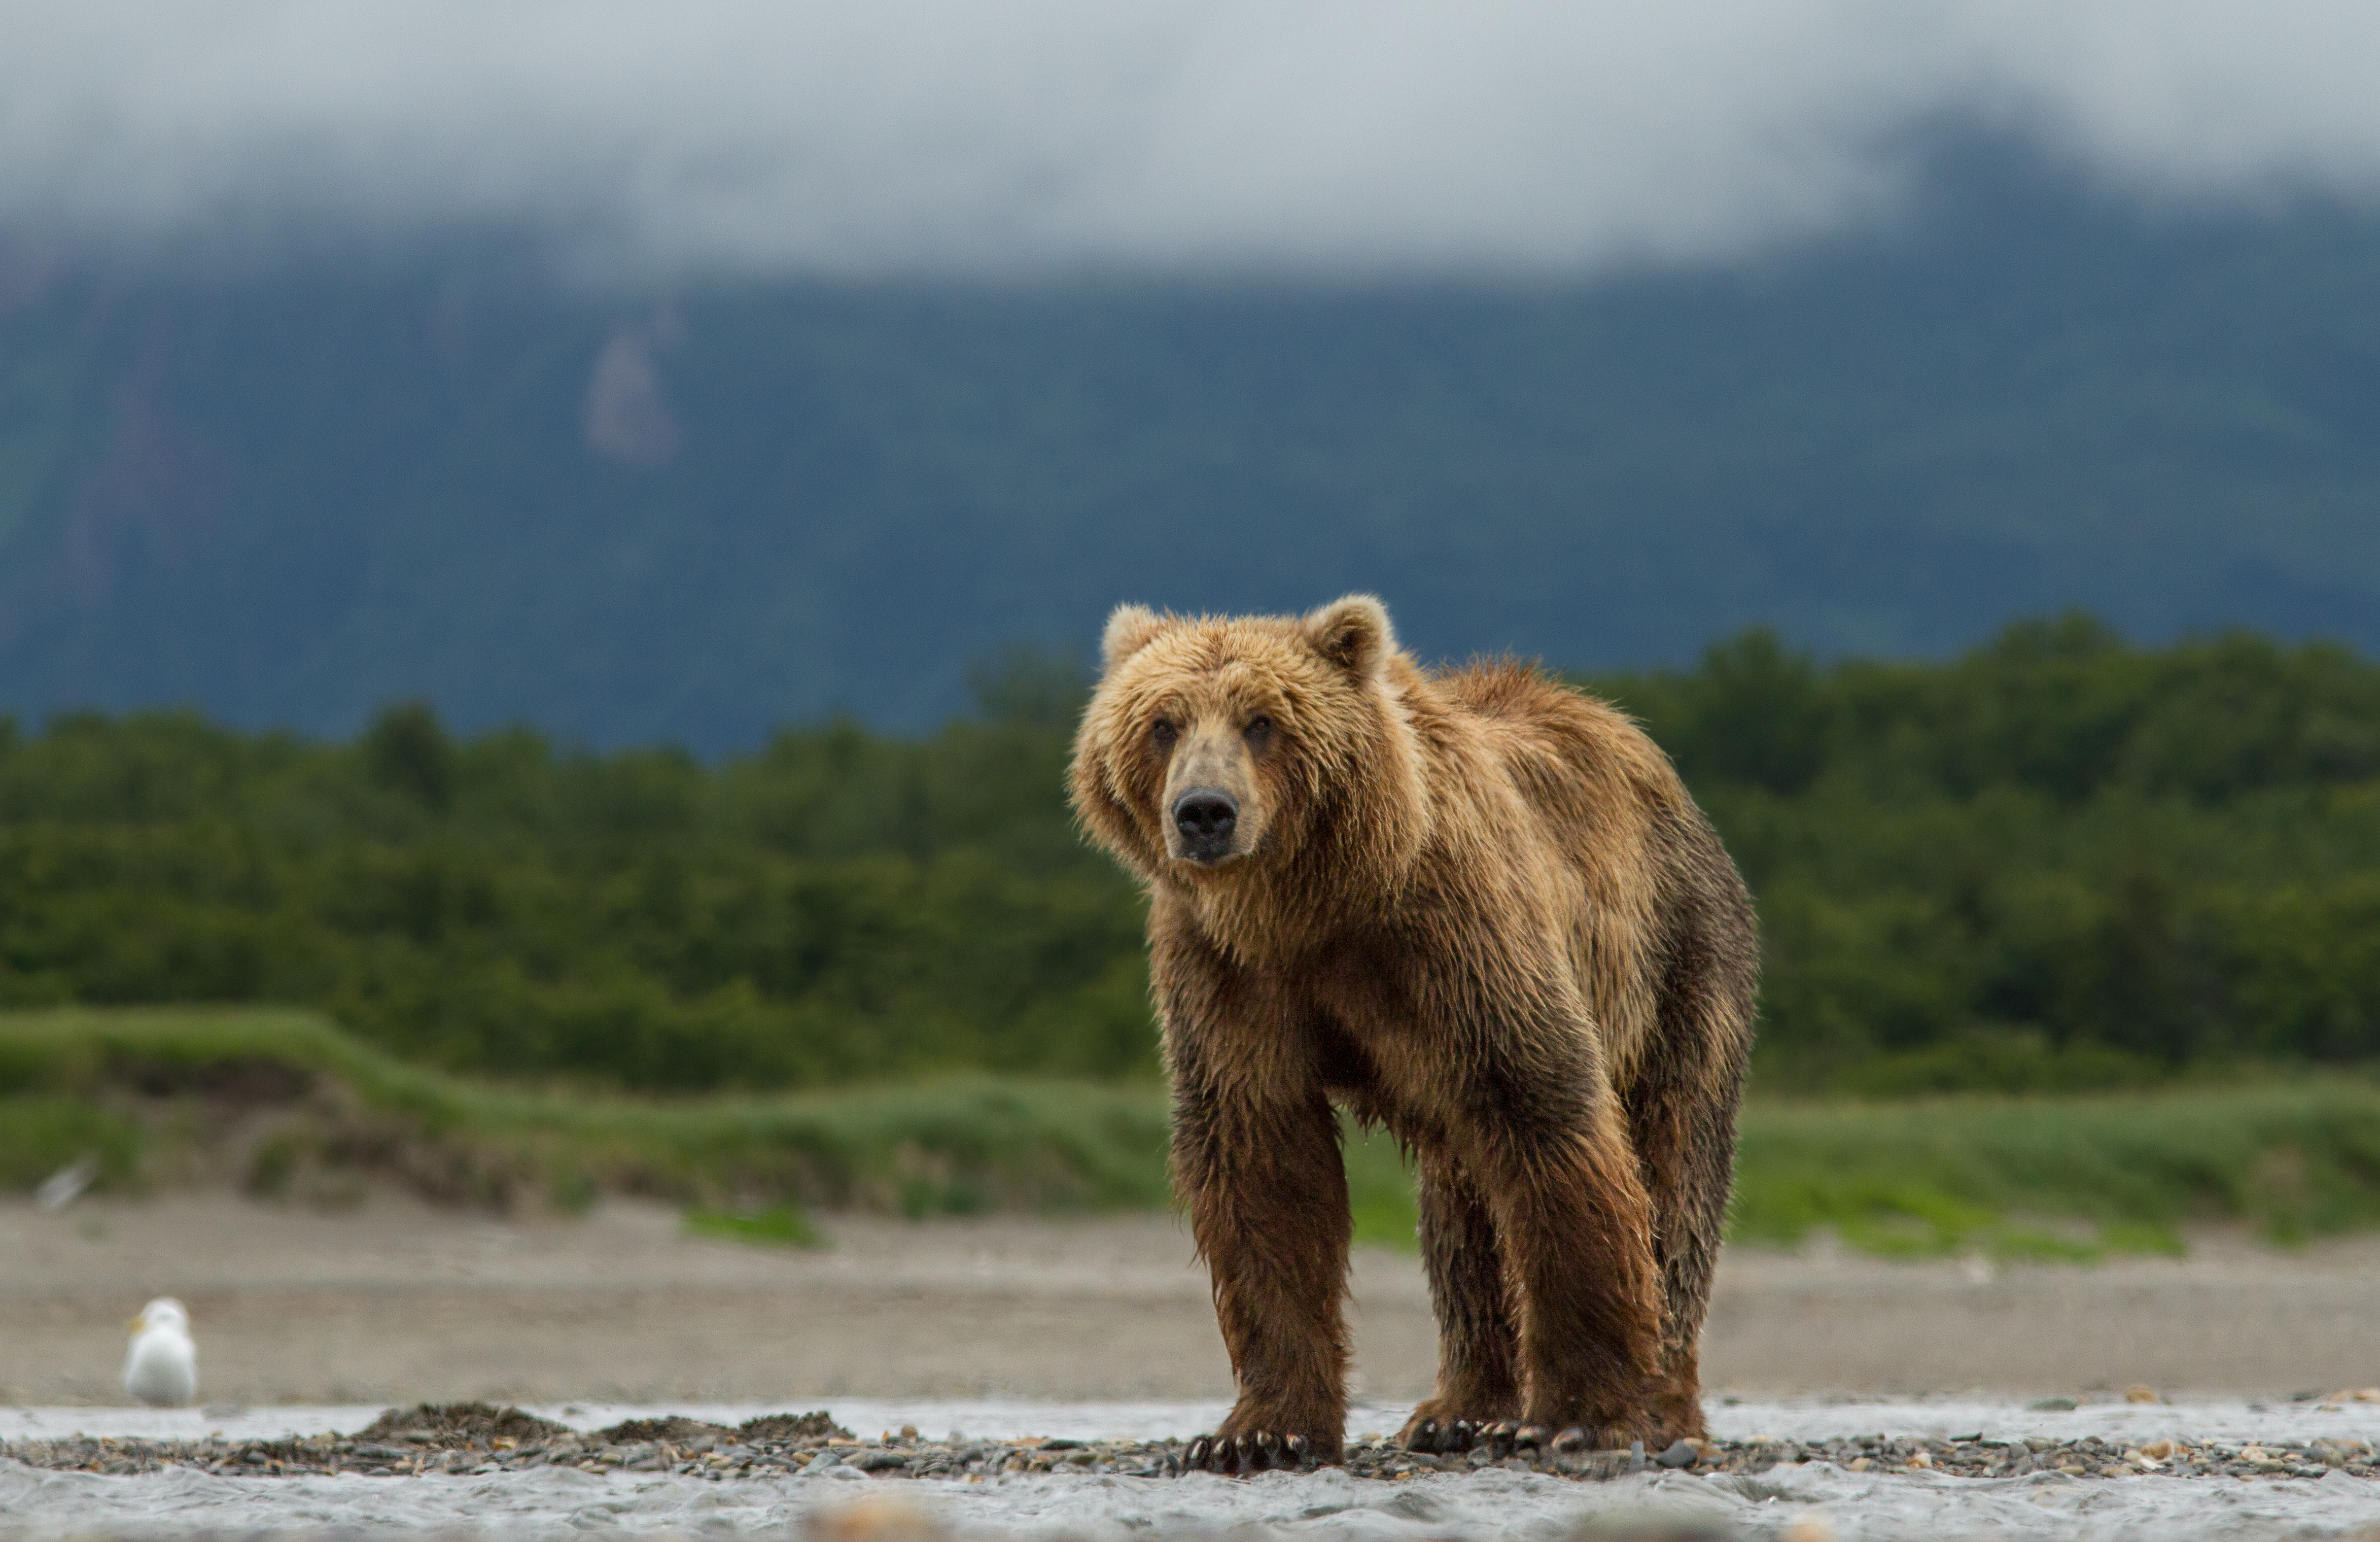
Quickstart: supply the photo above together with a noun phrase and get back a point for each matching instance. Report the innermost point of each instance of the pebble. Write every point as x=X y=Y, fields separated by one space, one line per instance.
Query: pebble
x=477 y=1438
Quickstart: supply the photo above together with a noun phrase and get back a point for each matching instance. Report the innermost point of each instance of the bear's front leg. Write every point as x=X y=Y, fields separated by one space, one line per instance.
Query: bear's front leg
x=1267 y=1194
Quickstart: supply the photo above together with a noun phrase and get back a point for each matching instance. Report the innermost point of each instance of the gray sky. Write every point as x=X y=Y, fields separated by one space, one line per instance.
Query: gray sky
x=1235 y=135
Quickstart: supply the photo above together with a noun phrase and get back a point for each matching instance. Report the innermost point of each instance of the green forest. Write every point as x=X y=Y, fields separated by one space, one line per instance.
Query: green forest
x=2060 y=861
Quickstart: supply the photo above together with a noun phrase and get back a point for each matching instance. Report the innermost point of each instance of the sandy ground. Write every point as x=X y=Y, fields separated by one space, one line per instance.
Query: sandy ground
x=394 y=1302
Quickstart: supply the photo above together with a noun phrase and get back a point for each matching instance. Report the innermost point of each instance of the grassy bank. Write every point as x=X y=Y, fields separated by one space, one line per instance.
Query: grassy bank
x=283 y=1103
x=2065 y=1177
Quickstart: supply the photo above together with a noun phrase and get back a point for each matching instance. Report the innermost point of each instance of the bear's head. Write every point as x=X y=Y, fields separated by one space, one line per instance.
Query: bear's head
x=1226 y=750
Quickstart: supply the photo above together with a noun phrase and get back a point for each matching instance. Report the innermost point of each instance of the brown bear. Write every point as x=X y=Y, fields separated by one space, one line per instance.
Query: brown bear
x=1479 y=910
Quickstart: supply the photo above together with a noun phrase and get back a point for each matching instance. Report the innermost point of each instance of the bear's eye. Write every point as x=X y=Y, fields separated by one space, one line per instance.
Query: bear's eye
x=1259 y=729
x=1164 y=733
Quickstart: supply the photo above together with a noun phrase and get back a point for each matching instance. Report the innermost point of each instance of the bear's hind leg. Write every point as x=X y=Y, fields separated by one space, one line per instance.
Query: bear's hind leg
x=1682 y=1112
x=1477 y=1383
x=1572 y=1211
x=1686 y=1147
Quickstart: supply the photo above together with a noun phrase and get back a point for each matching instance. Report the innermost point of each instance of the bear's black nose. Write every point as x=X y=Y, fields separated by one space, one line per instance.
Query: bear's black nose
x=1205 y=816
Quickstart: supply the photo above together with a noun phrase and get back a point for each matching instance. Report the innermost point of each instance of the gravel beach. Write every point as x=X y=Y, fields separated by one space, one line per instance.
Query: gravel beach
x=395 y=1303
x=1014 y=1377
x=481 y=1439
x=1800 y=1470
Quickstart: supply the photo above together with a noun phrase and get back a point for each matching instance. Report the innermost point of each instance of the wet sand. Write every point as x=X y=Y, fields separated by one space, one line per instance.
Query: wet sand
x=395 y=1303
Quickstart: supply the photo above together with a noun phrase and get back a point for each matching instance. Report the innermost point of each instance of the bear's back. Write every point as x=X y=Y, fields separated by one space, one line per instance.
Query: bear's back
x=1575 y=758
x=1605 y=797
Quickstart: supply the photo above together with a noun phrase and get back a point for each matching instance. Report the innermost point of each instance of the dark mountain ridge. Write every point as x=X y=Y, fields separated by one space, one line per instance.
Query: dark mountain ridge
x=287 y=496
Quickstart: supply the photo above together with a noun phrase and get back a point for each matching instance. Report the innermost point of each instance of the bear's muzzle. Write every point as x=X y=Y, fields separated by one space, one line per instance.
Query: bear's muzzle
x=1205 y=817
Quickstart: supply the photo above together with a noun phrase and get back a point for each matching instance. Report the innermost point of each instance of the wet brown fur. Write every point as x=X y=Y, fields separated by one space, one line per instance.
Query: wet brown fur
x=1481 y=911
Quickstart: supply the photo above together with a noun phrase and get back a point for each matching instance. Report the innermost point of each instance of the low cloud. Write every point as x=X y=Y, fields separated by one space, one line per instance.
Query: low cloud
x=1318 y=135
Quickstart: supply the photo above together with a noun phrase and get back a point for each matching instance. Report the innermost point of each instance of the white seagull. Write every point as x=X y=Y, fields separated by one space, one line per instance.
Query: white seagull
x=162 y=1369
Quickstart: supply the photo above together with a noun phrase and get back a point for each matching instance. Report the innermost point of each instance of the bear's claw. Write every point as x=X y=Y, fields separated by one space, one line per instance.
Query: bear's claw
x=1443 y=1437
x=1510 y=1436
x=1501 y=1437
x=1255 y=1452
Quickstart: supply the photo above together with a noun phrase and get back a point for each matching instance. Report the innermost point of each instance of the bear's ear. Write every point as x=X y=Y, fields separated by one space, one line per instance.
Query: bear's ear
x=1130 y=627
x=1353 y=634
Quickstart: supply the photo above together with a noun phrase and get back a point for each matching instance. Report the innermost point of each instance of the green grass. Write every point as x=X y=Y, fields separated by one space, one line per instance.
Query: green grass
x=39 y=1134
x=1379 y=1190
x=150 y=1092
x=2059 y=1177
x=2049 y=1179
x=776 y=1225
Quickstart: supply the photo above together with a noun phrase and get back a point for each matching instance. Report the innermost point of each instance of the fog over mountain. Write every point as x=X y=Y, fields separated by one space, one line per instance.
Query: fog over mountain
x=1311 y=136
